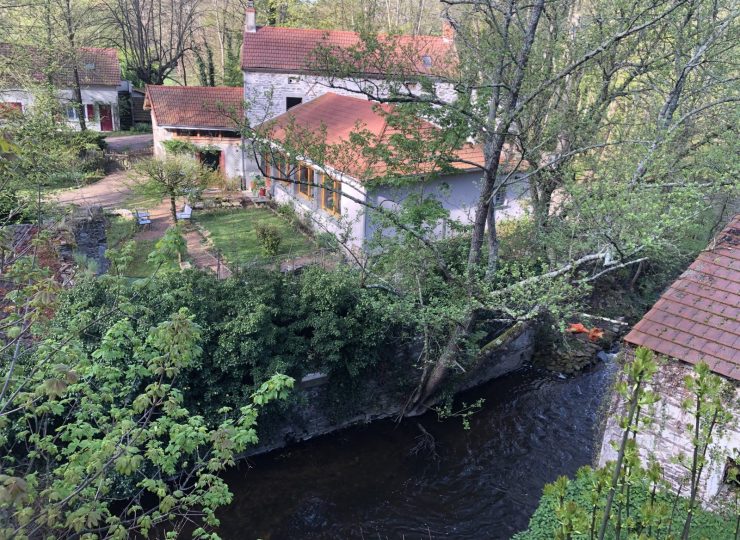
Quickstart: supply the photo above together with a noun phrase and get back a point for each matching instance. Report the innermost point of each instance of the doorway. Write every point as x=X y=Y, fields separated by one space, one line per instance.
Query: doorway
x=106 y=118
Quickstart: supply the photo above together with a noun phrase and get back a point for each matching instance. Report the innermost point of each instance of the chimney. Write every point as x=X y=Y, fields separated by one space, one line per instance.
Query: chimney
x=448 y=31
x=250 y=20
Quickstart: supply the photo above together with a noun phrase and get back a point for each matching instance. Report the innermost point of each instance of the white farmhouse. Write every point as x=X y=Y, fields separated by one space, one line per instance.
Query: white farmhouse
x=23 y=68
x=282 y=66
x=343 y=193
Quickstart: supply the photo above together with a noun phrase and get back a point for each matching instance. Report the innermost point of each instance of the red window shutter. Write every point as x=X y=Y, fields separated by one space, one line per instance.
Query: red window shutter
x=90 y=112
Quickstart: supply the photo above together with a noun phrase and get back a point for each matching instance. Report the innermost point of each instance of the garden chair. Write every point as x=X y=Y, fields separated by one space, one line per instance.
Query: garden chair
x=186 y=213
x=142 y=218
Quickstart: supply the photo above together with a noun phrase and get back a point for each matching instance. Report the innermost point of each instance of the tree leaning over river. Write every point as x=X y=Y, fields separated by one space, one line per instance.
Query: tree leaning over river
x=618 y=110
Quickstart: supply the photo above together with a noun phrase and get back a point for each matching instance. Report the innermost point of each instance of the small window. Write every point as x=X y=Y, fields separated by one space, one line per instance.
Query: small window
x=72 y=112
x=292 y=80
x=292 y=102
x=426 y=60
x=90 y=66
x=305 y=181
x=500 y=198
x=331 y=195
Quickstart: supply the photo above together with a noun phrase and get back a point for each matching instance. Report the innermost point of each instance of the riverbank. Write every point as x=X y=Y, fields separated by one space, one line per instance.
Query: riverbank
x=377 y=481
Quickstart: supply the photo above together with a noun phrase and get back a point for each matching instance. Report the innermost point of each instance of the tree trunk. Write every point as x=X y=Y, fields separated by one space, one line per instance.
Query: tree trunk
x=75 y=70
x=173 y=209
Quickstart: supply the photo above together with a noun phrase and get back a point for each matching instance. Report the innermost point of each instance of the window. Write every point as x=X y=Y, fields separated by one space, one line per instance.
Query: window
x=500 y=198
x=426 y=60
x=292 y=102
x=331 y=195
x=72 y=112
x=305 y=181
x=283 y=170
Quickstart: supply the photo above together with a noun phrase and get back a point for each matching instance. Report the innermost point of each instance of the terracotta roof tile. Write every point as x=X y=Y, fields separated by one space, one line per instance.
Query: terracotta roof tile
x=96 y=66
x=335 y=117
x=293 y=50
x=205 y=107
x=698 y=317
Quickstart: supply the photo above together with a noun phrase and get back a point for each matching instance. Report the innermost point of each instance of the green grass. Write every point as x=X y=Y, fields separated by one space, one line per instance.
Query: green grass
x=121 y=230
x=233 y=234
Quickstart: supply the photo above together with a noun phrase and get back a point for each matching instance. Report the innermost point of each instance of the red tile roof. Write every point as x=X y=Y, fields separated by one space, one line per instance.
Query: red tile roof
x=698 y=317
x=205 y=107
x=97 y=67
x=293 y=50
x=334 y=118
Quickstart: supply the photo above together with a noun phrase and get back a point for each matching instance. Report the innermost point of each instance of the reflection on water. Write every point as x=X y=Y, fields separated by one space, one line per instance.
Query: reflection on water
x=366 y=482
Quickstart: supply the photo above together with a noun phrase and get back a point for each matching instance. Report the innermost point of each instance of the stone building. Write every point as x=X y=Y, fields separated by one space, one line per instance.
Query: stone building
x=23 y=68
x=206 y=117
x=696 y=319
x=282 y=66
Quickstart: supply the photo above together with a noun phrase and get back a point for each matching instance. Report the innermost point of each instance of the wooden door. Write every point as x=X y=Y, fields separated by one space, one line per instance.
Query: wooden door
x=106 y=118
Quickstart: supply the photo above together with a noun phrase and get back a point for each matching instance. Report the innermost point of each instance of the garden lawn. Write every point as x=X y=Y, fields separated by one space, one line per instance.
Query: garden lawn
x=233 y=234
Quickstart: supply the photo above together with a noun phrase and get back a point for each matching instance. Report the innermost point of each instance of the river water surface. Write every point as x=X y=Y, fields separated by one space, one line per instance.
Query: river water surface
x=368 y=483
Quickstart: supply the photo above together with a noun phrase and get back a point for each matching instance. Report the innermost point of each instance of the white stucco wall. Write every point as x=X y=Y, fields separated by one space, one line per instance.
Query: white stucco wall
x=266 y=93
x=668 y=435
x=458 y=194
x=91 y=95
x=349 y=227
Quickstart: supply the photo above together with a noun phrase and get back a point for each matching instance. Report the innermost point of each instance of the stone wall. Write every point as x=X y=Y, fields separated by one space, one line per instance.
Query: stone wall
x=668 y=436
x=309 y=416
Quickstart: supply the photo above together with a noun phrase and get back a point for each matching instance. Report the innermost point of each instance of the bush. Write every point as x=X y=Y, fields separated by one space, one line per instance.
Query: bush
x=546 y=521
x=252 y=327
x=269 y=239
x=140 y=127
x=176 y=146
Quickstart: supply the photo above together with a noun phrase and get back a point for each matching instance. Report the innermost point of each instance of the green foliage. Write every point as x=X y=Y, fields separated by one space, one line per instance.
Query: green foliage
x=251 y=327
x=269 y=239
x=179 y=146
x=120 y=431
x=564 y=511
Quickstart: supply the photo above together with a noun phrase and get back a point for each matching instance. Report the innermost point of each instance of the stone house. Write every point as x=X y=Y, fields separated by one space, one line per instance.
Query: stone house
x=22 y=68
x=696 y=319
x=206 y=117
x=281 y=65
x=335 y=194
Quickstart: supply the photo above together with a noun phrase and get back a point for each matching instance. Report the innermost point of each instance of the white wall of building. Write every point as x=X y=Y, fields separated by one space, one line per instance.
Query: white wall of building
x=91 y=95
x=348 y=227
x=266 y=93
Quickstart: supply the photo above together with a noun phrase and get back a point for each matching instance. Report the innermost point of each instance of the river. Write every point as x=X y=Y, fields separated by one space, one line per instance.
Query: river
x=368 y=483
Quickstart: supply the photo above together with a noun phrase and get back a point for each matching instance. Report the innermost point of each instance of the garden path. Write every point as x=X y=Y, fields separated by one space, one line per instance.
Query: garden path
x=113 y=193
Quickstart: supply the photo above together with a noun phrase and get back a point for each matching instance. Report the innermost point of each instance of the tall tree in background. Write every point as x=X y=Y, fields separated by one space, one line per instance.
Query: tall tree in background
x=152 y=35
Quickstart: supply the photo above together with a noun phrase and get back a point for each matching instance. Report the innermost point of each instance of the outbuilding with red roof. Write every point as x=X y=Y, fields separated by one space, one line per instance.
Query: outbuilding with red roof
x=696 y=319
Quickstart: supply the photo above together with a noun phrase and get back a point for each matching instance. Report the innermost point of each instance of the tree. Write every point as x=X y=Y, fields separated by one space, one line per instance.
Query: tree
x=152 y=36
x=563 y=112
x=174 y=176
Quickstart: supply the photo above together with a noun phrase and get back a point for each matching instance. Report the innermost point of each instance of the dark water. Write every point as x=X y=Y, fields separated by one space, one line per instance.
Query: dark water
x=367 y=483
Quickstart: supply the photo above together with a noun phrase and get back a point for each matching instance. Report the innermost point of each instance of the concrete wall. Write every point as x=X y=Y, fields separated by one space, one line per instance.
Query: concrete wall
x=91 y=95
x=267 y=92
x=310 y=417
x=668 y=436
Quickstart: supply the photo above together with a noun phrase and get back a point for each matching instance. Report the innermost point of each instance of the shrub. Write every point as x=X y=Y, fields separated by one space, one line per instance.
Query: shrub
x=269 y=239
x=142 y=128
x=175 y=146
